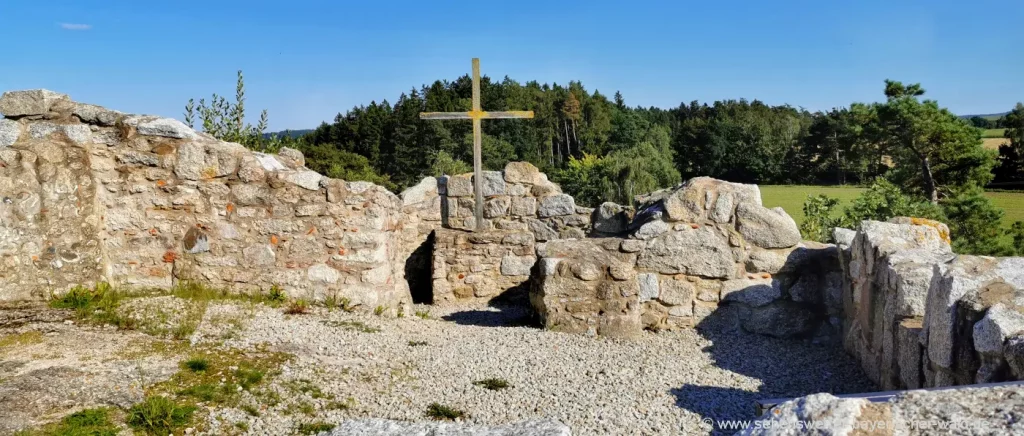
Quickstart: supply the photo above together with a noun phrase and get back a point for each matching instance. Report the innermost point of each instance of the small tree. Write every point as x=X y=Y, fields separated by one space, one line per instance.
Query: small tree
x=819 y=218
x=226 y=121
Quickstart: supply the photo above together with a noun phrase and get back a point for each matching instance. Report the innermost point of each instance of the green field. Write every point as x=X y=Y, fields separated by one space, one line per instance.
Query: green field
x=791 y=198
x=992 y=133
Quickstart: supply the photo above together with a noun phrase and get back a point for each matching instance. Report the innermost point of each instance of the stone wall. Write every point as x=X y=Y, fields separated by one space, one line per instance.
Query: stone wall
x=918 y=315
x=479 y=266
x=91 y=195
x=518 y=199
x=689 y=250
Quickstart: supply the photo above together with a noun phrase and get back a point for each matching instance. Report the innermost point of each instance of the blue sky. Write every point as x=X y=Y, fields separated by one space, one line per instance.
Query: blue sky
x=306 y=61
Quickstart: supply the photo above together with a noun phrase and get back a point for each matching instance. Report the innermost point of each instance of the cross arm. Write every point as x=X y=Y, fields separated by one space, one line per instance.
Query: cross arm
x=475 y=115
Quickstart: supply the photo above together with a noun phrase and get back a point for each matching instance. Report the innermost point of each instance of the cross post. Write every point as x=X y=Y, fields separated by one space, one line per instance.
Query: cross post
x=476 y=114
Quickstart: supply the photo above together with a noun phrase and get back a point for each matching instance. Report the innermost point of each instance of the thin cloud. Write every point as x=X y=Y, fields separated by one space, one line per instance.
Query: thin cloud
x=73 y=26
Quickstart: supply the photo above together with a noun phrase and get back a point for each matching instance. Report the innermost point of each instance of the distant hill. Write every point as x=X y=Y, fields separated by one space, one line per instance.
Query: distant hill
x=292 y=133
x=986 y=116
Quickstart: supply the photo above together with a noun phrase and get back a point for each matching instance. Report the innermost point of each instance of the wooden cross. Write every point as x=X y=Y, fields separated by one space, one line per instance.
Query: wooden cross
x=476 y=114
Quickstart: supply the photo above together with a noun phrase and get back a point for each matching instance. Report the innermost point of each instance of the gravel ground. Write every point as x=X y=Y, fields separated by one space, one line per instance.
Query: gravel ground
x=663 y=383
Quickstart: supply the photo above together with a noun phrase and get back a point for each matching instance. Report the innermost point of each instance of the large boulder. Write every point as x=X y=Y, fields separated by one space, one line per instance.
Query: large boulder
x=15 y=104
x=700 y=252
x=766 y=228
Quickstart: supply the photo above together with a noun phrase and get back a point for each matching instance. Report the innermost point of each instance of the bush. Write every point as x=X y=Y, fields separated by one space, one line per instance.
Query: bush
x=819 y=218
x=884 y=200
x=975 y=224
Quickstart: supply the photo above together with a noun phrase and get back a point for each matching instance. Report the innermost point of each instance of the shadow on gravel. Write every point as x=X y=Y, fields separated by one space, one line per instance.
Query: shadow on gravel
x=511 y=308
x=785 y=368
x=502 y=315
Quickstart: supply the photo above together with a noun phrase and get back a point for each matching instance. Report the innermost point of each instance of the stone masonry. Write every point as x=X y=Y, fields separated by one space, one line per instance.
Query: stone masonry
x=90 y=195
x=689 y=250
x=917 y=315
x=471 y=266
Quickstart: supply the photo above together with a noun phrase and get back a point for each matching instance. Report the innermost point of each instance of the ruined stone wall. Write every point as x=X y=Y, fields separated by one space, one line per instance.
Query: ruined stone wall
x=91 y=195
x=918 y=315
x=479 y=266
x=688 y=251
x=519 y=199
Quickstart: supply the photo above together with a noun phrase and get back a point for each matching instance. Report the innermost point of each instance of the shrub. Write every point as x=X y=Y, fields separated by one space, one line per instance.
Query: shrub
x=819 y=218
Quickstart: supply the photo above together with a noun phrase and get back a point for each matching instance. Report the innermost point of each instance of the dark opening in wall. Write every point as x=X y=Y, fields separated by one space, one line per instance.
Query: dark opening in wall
x=419 y=274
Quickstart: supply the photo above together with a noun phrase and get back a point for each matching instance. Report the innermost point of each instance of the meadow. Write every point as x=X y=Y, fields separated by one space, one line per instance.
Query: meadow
x=791 y=198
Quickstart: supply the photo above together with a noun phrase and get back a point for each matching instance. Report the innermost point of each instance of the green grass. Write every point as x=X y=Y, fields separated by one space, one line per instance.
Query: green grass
x=89 y=422
x=791 y=198
x=159 y=415
x=197 y=364
x=992 y=133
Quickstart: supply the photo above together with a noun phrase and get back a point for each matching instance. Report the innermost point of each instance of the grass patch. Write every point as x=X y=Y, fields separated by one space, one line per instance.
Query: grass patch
x=494 y=384
x=97 y=305
x=423 y=314
x=242 y=426
x=88 y=422
x=379 y=310
x=226 y=373
x=791 y=198
x=352 y=325
x=197 y=364
x=993 y=133
x=297 y=307
x=441 y=412
x=307 y=387
x=417 y=343
x=19 y=339
x=159 y=415
x=314 y=427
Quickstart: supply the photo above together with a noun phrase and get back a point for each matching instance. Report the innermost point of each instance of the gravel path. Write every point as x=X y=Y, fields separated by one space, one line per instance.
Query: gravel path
x=663 y=383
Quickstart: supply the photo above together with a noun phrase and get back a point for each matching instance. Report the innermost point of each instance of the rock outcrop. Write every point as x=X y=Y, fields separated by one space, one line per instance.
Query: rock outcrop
x=687 y=251
x=92 y=195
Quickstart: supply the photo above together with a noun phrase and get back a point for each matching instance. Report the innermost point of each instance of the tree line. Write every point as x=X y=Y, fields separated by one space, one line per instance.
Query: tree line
x=602 y=149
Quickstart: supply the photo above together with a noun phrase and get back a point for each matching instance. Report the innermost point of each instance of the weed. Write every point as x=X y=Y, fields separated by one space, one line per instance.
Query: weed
x=275 y=296
x=315 y=427
x=197 y=364
x=297 y=307
x=494 y=384
x=352 y=325
x=441 y=412
x=252 y=411
x=417 y=343
x=346 y=304
x=197 y=291
x=423 y=314
x=331 y=302
x=159 y=415
x=241 y=425
x=379 y=310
